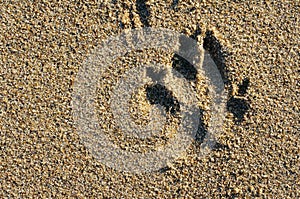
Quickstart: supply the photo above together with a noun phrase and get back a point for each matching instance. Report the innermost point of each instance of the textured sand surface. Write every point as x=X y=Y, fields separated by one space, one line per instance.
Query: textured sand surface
x=255 y=45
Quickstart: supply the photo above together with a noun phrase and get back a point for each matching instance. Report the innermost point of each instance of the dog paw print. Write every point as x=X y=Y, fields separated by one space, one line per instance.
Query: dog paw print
x=237 y=104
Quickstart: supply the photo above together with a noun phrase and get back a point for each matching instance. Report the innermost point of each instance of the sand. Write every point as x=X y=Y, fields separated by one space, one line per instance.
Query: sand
x=255 y=46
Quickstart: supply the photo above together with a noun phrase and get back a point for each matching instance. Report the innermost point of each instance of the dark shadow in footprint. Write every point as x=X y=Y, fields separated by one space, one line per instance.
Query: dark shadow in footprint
x=143 y=12
x=244 y=87
x=214 y=47
x=158 y=94
x=202 y=129
x=164 y=169
x=220 y=147
x=180 y=64
x=239 y=106
x=184 y=67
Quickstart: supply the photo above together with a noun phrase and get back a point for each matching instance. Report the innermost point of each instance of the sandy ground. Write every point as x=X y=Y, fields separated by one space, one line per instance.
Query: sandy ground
x=255 y=45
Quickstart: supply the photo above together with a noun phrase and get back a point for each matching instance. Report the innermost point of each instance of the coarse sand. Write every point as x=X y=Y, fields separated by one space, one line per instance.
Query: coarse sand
x=255 y=45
